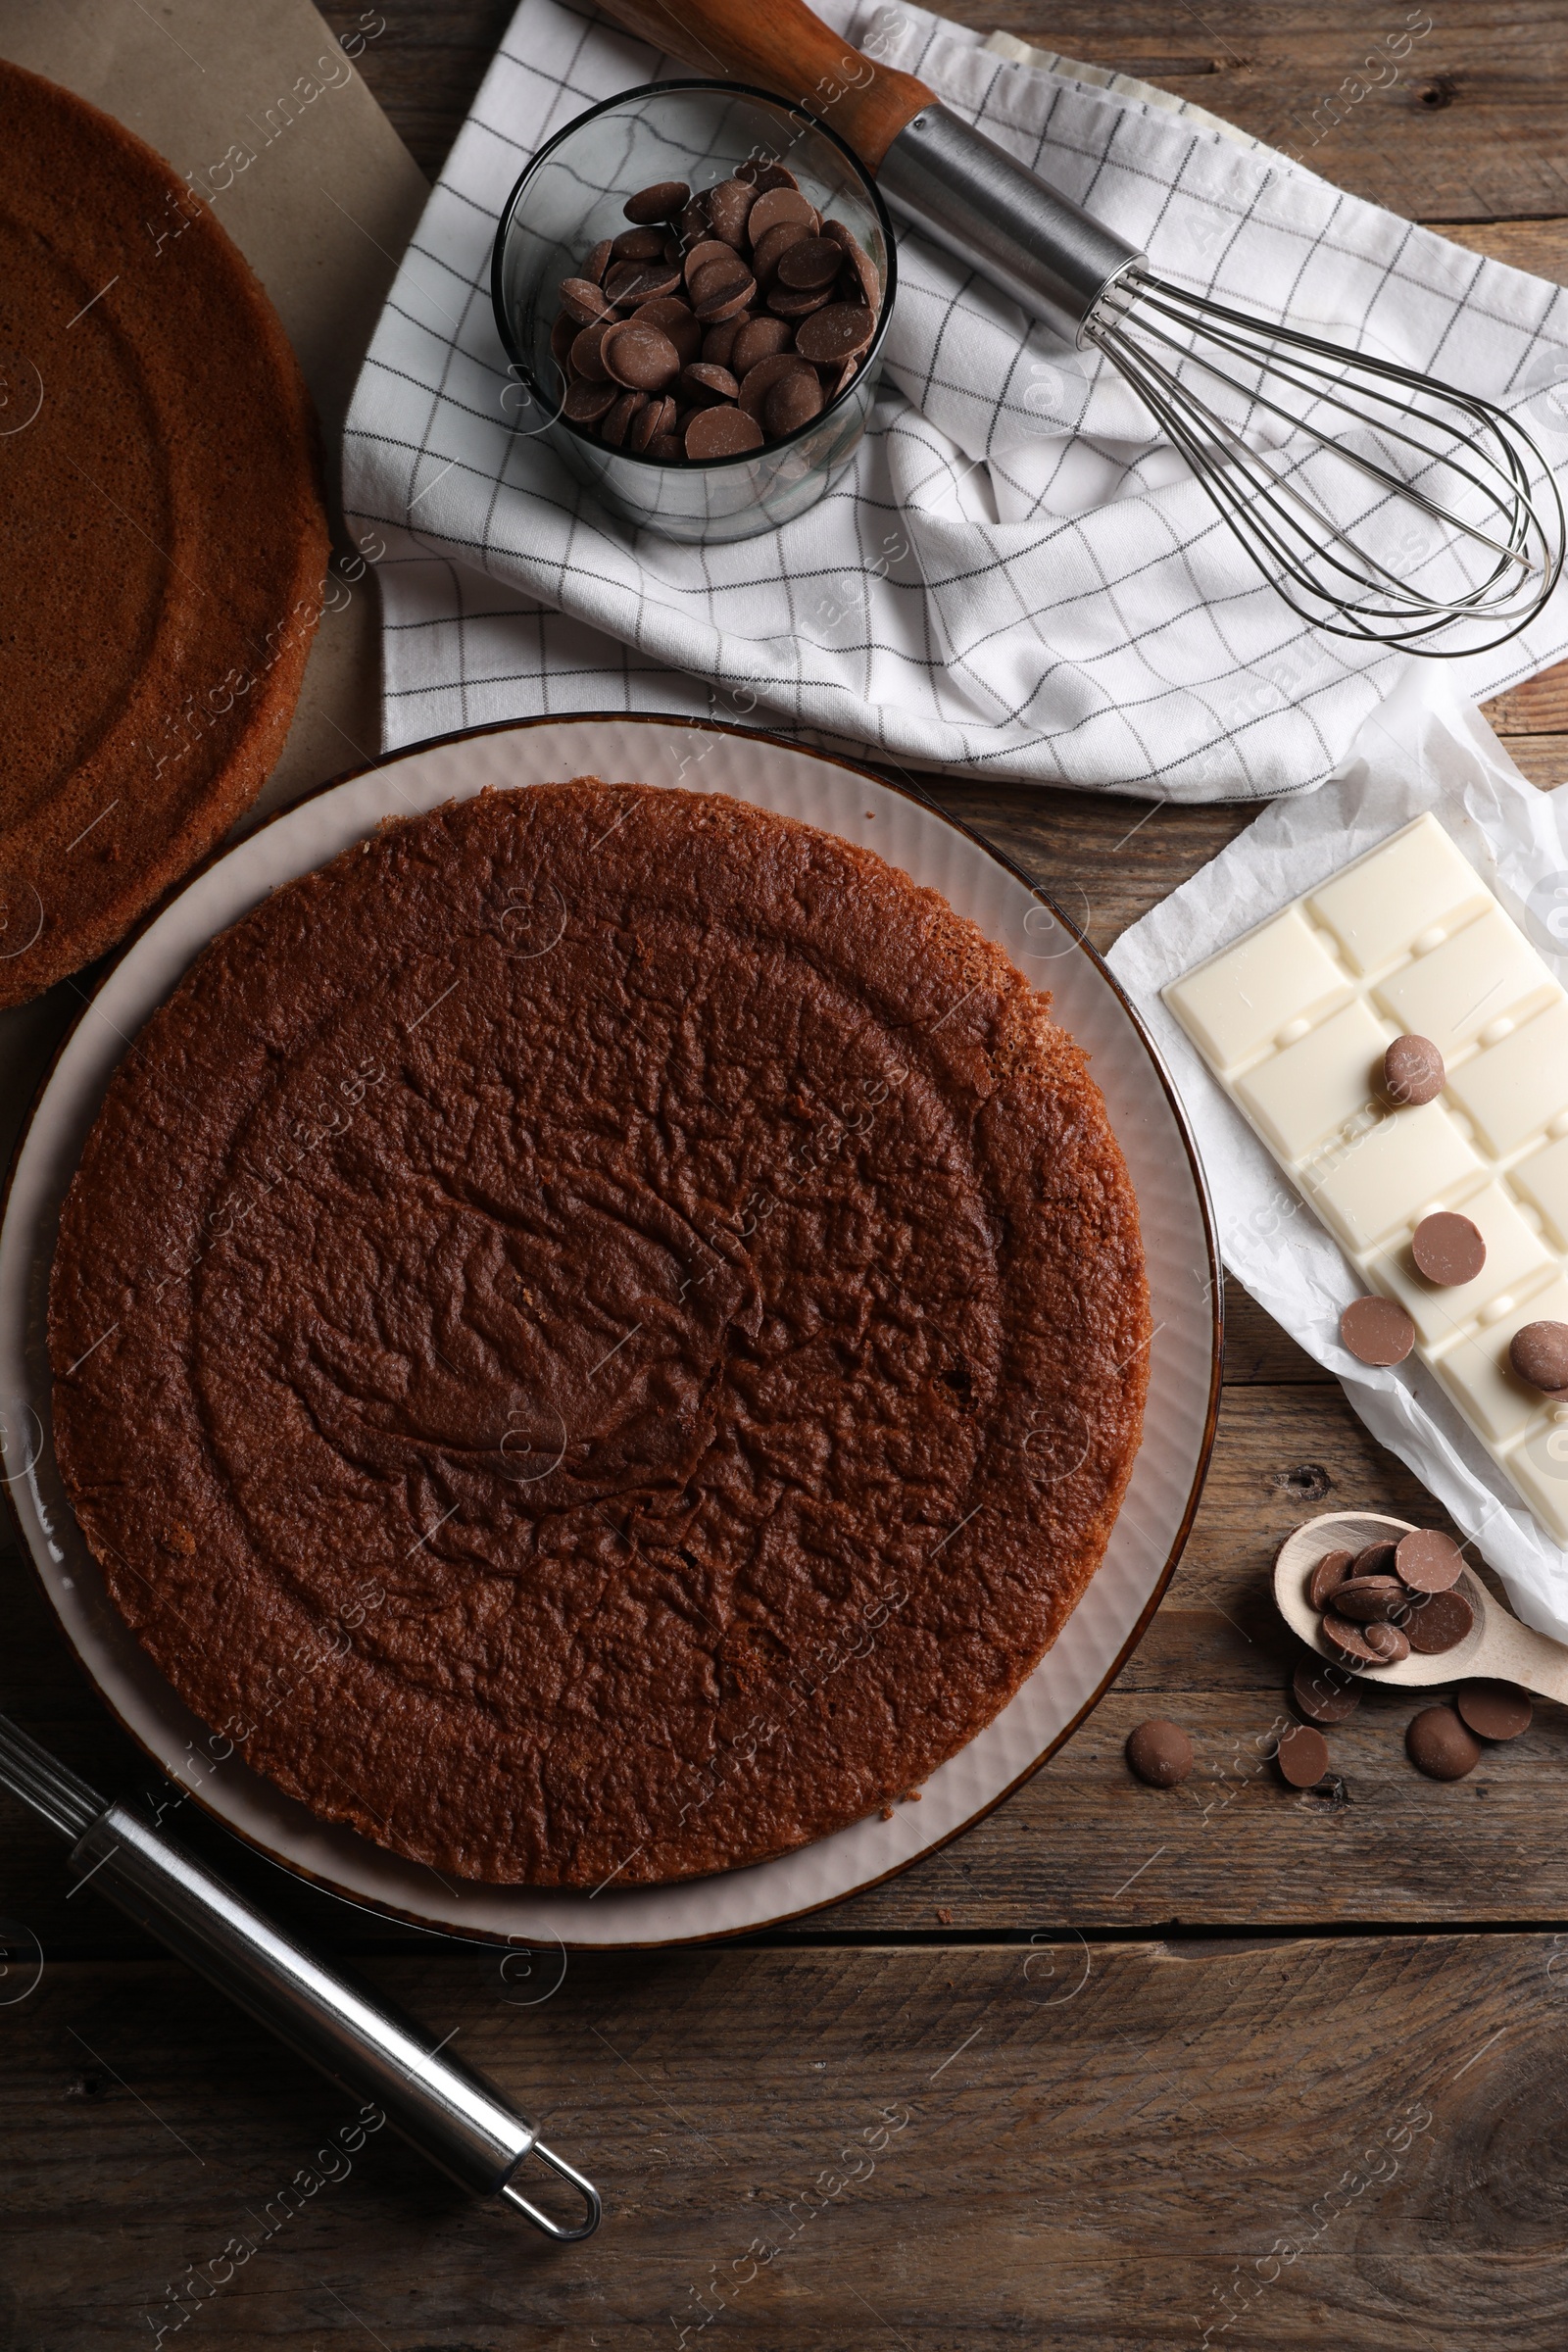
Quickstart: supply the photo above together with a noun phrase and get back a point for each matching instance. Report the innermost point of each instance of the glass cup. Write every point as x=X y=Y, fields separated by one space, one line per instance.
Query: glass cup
x=573 y=193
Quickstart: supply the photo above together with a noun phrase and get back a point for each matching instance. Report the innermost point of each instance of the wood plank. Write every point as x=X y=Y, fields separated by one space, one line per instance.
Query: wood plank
x=1342 y=2143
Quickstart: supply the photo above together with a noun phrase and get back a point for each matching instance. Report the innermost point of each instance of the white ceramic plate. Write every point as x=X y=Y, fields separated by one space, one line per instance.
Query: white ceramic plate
x=1178 y=1239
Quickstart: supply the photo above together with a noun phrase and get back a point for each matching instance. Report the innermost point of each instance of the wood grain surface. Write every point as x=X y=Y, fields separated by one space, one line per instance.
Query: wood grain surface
x=1119 y=2068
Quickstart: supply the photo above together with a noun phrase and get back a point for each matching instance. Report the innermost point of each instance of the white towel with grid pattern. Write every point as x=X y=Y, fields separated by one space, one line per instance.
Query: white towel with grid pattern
x=1016 y=577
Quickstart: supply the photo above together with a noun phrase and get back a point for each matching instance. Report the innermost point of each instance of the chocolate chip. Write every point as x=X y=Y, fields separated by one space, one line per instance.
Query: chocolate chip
x=1332 y=1569
x=715 y=298
x=563 y=335
x=692 y=222
x=718 y=342
x=1348 y=1638
x=1375 y=1559
x=758 y=339
x=585 y=359
x=628 y=283
x=840 y=333
x=727 y=207
x=849 y=368
x=860 y=260
x=1388 y=1643
x=1376 y=1330
x=1160 y=1753
x=1302 y=1755
x=758 y=381
x=598 y=260
x=798 y=302
x=649 y=423
x=1412 y=1070
x=1427 y=1560
x=770 y=251
x=721 y=433
x=677 y=320
x=705 y=383
x=617 y=418
x=666 y=449
x=1439 y=1745
x=1495 y=1710
x=813 y=261
x=1370 y=1600
x=793 y=402
x=583 y=300
x=1539 y=1355
x=710 y=252
x=1447 y=1248
x=640 y=355
x=588 y=399
x=778 y=203
x=660 y=202
x=772 y=175
x=639 y=245
x=1439 y=1623
x=1325 y=1692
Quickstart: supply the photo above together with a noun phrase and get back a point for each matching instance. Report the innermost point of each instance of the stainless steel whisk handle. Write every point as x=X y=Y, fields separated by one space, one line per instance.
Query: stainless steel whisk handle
x=448 y=2113
x=966 y=194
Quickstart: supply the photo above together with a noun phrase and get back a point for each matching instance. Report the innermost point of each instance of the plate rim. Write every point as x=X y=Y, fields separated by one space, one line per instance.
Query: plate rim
x=376 y=1906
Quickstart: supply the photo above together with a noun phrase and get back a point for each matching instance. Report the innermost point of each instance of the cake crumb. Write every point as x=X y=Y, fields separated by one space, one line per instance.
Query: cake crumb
x=945 y=1919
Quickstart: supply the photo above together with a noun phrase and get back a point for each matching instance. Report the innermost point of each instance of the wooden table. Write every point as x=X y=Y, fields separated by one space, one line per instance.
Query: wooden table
x=1119 y=2068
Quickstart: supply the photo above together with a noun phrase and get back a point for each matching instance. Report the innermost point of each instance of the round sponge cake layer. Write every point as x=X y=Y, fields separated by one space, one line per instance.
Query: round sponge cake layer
x=601 y=1336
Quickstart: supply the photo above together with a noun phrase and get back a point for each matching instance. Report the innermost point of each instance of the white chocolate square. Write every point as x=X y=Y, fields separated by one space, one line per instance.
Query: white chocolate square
x=1512 y=1090
x=1322 y=1086
x=1239 y=1001
x=1516 y=1255
x=1477 y=1373
x=1543 y=1178
x=1387 y=1177
x=1483 y=972
x=1416 y=881
x=1538 y=1468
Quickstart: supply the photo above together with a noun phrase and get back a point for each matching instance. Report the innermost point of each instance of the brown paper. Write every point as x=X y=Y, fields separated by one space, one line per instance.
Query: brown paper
x=265 y=113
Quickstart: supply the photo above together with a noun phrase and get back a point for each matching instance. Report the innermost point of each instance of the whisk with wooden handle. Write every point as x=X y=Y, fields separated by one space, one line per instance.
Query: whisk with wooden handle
x=1383 y=503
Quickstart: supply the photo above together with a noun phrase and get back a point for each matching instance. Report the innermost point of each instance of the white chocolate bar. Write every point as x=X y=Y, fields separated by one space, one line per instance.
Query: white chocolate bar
x=1294 y=1020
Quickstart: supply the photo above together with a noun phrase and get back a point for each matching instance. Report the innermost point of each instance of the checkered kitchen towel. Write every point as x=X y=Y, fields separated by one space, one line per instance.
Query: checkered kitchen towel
x=1016 y=577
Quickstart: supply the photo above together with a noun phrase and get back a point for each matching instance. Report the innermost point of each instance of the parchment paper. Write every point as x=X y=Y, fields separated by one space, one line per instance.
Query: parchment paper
x=1425 y=748
x=322 y=209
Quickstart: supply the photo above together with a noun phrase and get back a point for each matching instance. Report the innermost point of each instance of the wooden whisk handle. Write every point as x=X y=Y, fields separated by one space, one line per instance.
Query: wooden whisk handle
x=779 y=45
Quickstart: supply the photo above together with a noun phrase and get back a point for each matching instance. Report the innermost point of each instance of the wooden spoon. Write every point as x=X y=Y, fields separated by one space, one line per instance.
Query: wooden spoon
x=1498 y=1645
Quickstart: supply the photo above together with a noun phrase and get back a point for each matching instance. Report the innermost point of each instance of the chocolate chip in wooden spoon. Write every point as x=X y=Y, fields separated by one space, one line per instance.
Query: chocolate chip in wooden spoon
x=1331 y=1570
x=1388 y=1643
x=1447 y=1248
x=1493 y=1710
x=1376 y=1330
x=1302 y=1755
x=1348 y=1638
x=1412 y=1070
x=661 y=201
x=840 y=333
x=1160 y=1753
x=1325 y=1692
x=1370 y=1600
x=1427 y=1560
x=1374 y=1558
x=1439 y=1745
x=1439 y=1623
x=722 y=432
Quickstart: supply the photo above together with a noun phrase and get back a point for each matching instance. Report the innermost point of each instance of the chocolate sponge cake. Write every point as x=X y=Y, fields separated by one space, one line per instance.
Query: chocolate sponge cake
x=161 y=538
x=598 y=1337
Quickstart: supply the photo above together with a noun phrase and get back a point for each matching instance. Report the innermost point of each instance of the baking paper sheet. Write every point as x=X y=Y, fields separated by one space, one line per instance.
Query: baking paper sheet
x=1425 y=748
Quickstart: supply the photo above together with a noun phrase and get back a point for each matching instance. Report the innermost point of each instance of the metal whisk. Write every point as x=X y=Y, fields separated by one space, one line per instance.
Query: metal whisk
x=1383 y=504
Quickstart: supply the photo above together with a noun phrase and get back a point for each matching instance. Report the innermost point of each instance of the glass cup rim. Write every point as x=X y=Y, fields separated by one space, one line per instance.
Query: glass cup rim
x=722 y=89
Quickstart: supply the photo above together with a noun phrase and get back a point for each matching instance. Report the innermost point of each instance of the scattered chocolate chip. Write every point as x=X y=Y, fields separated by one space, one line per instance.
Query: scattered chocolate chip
x=1377 y=1331
x=1376 y=1558
x=778 y=203
x=721 y=433
x=840 y=333
x=1539 y=1355
x=728 y=205
x=1332 y=1569
x=1302 y=1755
x=583 y=300
x=640 y=355
x=639 y=245
x=1388 y=1643
x=1495 y=1710
x=1325 y=1692
x=1439 y=1745
x=1160 y=1753
x=1447 y=1248
x=1427 y=1560
x=1351 y=1640
x=660 y=202
x=1370 y=1600
x=793 y=402
x=1439 y=1623
x=1412 y=1070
